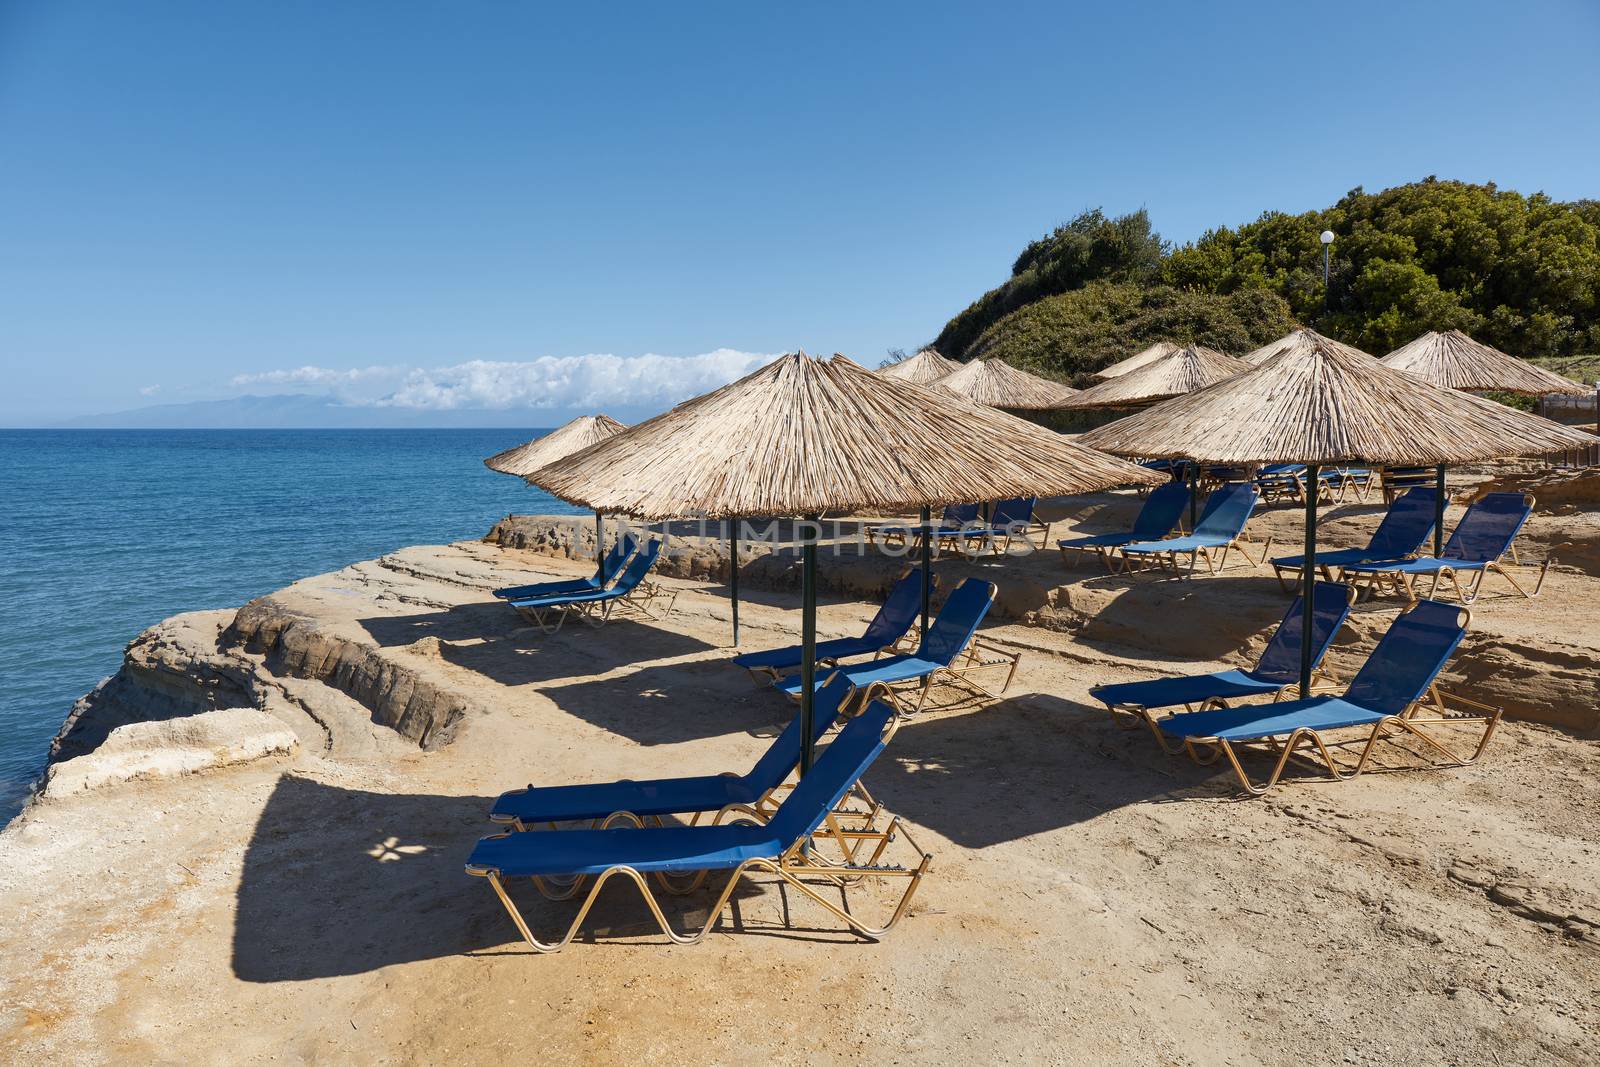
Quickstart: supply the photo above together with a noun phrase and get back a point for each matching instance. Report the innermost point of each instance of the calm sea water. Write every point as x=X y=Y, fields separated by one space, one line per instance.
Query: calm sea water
x=106 y=532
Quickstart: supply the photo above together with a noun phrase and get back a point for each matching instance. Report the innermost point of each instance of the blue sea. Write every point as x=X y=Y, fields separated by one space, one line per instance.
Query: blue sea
x=108 y=531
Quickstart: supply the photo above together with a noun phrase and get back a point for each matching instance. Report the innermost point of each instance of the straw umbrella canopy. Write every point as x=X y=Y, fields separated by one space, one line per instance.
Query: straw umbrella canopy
x=1300 y=340
x=1183 y=370
x=923 y=368
x=1327 y=403
x=578 y=434
x=574 y=436
x=1141 y=358
x=801 y=437
x=997 y=384
x=1453 y=360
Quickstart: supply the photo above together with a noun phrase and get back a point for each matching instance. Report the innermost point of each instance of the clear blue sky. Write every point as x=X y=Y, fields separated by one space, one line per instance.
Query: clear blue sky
x=196 y=195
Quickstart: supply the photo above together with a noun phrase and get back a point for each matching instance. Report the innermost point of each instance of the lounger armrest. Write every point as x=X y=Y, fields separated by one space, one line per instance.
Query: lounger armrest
x=1472 y=709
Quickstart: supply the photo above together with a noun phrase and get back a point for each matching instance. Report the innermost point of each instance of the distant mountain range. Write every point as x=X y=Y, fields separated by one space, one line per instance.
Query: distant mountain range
x=301 y=411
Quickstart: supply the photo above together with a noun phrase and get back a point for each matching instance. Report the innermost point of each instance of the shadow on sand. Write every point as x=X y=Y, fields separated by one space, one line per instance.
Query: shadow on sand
x=1023 y=766
x=341 y=881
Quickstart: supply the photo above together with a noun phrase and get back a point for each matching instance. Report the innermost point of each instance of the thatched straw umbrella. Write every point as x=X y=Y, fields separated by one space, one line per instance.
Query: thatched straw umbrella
x=923 y=368
x=1141 y=358
x=1299 y=340
x=1452 y=360
x=1183 y=370
x=571 y=437
x=1327 y=403
x=802 y=437
x=997 y=384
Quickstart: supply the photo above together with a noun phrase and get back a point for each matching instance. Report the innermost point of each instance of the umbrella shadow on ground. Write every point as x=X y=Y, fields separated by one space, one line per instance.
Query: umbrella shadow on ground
x=1022 y=766
x=342 y=881
x=672 y=703
x=493 y=641
x=1204 y=620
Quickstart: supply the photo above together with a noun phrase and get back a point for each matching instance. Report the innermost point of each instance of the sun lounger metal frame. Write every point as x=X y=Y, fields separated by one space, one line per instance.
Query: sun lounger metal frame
x=1385 y=543
x=1251 y=681
x=1216 y=555
x=1104 y=546
x=633 y=593
x=905 y=593
x=800 y=864
x=1373 y=579
x=1407 y=722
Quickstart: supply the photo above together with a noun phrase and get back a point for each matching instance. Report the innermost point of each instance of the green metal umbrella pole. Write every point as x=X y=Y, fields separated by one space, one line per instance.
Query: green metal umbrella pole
x=927 y=567
x=599 y=547
x=733 y=575
x=810 y=529
x=1438 y=511
x=1308 y=576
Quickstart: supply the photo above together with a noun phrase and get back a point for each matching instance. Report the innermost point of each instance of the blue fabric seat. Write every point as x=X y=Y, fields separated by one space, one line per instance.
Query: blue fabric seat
x=1479 y=542
x=952 y=522
x=890 y=624
x=1404 y=529
x=1219 y=527
x=1276 y=670
x=1009 y=519
x=1159 y=514
x=775 y=847
x=673 y=796
x=610 y=566
x=1384 y=694
x=594 y=604
x=952 y=631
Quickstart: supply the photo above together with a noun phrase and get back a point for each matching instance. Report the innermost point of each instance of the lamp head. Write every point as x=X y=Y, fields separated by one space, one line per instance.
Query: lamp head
x=1327 y=237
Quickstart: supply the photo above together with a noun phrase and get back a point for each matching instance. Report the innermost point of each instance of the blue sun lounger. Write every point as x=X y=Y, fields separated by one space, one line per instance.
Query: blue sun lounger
x=1386 y=696
x=1010 y=520
x=632 y=802
x=949 y=651
x=953 y=523
x=1218 y=529
x=1404 y=529
x=891 y=623
x=1276 y=670
x=790 y=846
x=595 y=606
x=1480 y=540
x=610 y=567
x=1161 y=511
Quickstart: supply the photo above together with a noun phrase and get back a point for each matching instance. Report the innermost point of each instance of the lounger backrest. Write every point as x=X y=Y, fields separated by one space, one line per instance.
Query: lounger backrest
x=959 y=514
x=776 y=763
x=1008 y=513
x=840 y=766
x=1486 y=531
x=1330 y=605
x=1405 y=526
x=957 y=621
x=1161 y=511
x=1408 y=657
x=639 y=566
x=1227 y=510
x=899 y=610
x=625 y=546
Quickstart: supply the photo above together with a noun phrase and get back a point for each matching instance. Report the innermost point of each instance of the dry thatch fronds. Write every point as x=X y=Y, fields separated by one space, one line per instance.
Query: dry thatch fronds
x=1324 y=402
x=924 y=368
x=1143 y=357
x=578 y=434
x=997 y=384
x=1294 y=341
x=1178 y=372
x=1452 y=360
x=801 y=436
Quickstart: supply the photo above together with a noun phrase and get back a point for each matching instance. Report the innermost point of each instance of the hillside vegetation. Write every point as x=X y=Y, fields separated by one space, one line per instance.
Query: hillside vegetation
x=1520 y=272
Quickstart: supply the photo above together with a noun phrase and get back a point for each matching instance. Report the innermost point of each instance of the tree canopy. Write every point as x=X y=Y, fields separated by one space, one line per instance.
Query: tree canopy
x=1520 y=272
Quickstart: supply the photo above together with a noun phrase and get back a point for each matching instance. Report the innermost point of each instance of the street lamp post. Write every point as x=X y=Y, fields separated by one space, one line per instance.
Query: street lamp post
x=1327 y=246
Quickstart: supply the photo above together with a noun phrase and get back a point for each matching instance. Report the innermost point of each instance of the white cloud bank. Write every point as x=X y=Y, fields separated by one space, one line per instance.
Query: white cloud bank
x=592 y=381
